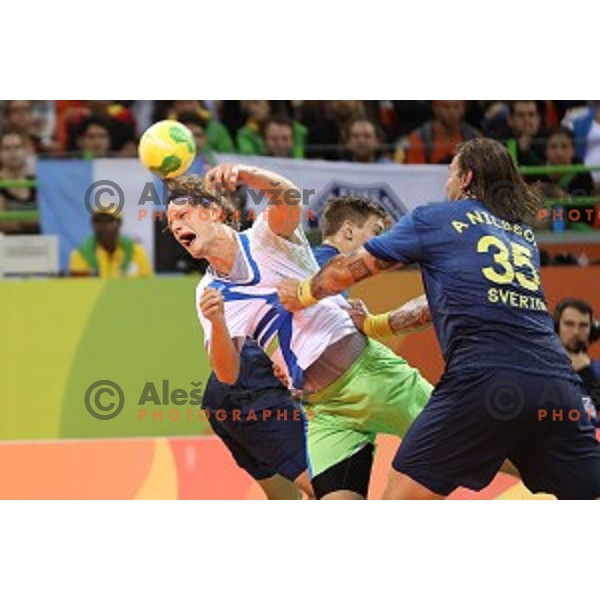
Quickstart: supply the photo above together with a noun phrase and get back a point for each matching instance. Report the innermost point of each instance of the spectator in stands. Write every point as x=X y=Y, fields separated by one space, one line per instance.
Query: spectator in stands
x=560 y=151
x=524 y=126
x=119 y=119
x=586 y=131
x=278 y=135
x=19 y=117
x=197 y=124
x=435 y=141
x=407 y=116
x=94 y=137
x=250 y=137
x=326 y=121
x=107 y=253
x=363 y=141
x=13 y=167
x=217 y=136
x=576 y=329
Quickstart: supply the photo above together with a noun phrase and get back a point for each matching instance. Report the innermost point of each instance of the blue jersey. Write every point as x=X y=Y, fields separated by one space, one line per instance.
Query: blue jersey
x=324 y=253
x=482 y=280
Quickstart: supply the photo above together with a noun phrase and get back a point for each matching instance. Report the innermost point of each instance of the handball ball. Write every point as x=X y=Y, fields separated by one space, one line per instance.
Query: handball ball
x=168 y=148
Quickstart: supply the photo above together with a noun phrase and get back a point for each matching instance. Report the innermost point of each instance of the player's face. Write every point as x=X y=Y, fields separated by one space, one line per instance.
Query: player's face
x=457 y=182
x=373 y=226
x=574 y=329
x=192 y=226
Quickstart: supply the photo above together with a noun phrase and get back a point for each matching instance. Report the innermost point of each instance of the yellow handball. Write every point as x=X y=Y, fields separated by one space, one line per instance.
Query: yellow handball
x=167 y=149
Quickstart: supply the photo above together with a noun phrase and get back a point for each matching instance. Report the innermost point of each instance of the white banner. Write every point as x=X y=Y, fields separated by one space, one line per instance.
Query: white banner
x=63 y=186
x=399 y=188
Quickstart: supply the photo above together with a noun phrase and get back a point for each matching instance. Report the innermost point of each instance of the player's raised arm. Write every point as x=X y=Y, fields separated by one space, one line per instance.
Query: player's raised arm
x=224 y=355
x=340 y=273
x=285 y=199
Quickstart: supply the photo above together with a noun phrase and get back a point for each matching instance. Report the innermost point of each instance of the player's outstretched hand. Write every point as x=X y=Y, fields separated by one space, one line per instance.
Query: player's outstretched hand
x=212 y=305
x=224 y=177
x=288 y=294
x=358 y=312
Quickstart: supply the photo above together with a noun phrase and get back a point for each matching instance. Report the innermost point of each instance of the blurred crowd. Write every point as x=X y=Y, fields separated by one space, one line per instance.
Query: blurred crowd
x=550 y=133
x=366 y=131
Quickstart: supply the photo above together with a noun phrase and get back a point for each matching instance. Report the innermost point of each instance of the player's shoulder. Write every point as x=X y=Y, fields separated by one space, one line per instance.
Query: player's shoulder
x=324 y=253
x=442 y=211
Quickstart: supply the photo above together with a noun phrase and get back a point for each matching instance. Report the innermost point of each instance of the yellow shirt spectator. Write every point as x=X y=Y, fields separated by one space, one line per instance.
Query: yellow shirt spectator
x=111 y=265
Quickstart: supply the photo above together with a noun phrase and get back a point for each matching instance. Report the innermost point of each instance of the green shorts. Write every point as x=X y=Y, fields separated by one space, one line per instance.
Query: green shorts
x=379 y=393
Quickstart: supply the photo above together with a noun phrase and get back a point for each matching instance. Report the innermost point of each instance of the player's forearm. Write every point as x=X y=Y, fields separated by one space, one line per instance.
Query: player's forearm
x=285 y=199
x=274 y=186
x=411 y=316
x=337 y=275
x=343 y=271
x=224 y=357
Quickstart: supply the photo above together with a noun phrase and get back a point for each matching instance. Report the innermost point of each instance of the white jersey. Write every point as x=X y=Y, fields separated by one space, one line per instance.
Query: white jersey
x=294 y=341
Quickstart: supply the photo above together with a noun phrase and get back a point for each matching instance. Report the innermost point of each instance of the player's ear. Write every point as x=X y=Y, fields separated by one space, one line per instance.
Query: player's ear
x=467 y=179
x=348 y=230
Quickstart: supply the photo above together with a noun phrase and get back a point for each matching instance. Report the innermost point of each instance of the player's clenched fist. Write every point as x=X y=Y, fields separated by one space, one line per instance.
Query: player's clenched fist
x=212 y=305
x=288 y=294
x=224 y=177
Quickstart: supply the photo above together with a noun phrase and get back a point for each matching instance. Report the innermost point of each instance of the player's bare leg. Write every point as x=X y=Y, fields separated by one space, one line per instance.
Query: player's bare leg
x=403 y=487
x=280 y=488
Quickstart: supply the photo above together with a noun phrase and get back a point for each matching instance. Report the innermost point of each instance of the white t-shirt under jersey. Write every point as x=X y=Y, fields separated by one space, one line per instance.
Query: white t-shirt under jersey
x=252 y=308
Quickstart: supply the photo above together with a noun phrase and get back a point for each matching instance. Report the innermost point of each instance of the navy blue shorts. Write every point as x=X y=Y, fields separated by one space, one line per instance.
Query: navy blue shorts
x=474 y=421
x=265 y=430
